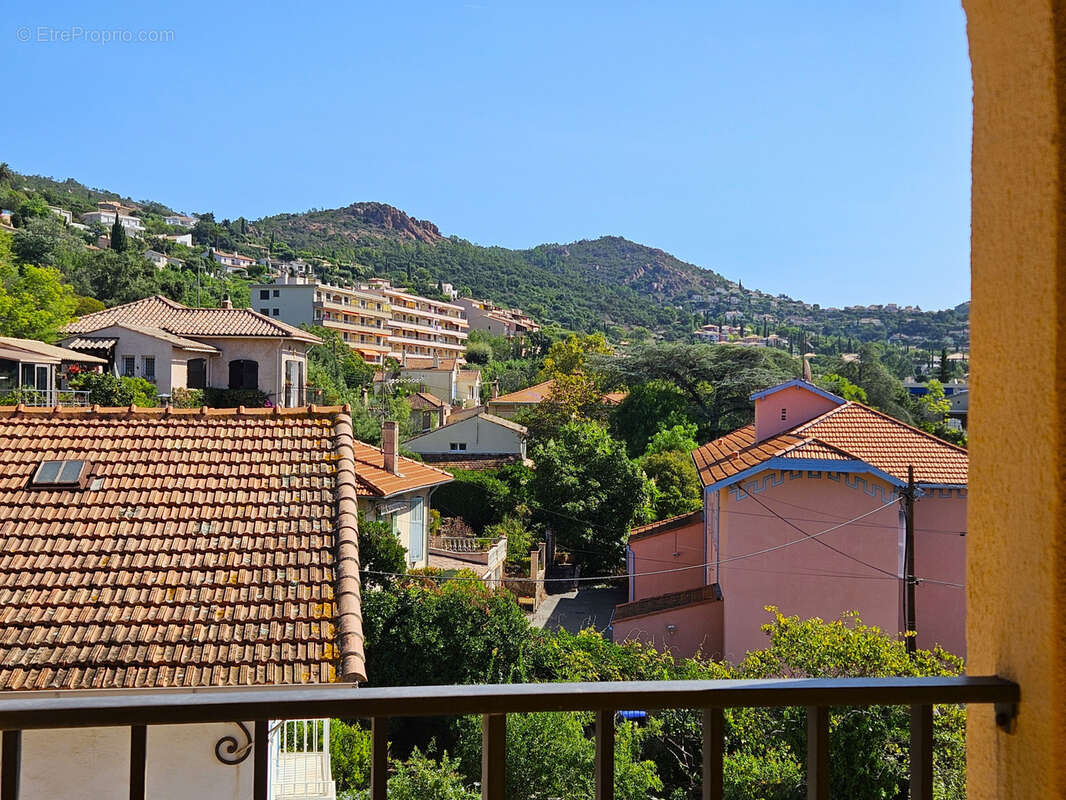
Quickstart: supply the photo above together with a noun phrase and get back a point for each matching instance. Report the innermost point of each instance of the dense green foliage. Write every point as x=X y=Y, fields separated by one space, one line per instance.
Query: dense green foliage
x=381 y=555
x=106 y=389
x=590 y=493
x=419 y=632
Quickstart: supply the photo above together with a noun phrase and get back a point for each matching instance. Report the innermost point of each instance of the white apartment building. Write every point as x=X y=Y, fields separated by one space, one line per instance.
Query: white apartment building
x=422 y=327
x=362 y=318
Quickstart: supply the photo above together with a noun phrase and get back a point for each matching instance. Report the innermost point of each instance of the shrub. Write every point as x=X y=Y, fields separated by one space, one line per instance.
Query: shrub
x=233 y=398
x=379 y=552
x=106 y=389
x=187 y=398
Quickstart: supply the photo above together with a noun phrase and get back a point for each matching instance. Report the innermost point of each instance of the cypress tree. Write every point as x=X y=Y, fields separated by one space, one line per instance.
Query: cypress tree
x=118 y=235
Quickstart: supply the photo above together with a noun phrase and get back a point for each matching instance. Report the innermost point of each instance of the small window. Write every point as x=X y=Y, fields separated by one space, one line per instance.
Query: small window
x=148 y=368
x=59 y=473
x=264 y=294
x=129 y=367
x=784 y=414
x=458 y=446
x=275 y=312
x=243 y=374
x=265 y=312
x=277 y=293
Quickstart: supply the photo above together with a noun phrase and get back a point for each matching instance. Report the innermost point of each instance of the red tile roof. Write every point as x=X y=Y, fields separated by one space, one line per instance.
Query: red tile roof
x=211 y=548
x=373 y=480
x=668 y=524
x=531 y=394
x=163 y=313
x=849 y=432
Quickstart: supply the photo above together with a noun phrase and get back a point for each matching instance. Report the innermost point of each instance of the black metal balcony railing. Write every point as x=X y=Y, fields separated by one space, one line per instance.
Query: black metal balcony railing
x=137 y=709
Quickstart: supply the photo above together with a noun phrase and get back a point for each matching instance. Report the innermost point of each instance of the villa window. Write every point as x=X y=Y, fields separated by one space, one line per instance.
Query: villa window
x=129 y=366
x=197 y=373
x=264 y=294
x=457 y=446
x=243 y=374
x=148 y=368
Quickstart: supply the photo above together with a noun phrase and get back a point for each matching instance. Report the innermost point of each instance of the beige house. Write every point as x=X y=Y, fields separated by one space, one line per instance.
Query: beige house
x=397 y=490
x=481 y=438
x=442 y=377
x=32 y=370
x=174 y=346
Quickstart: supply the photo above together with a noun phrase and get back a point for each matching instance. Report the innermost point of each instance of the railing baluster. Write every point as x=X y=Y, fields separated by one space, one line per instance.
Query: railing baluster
x=604 y=755
x=12 y=765
x=817 y=753
x=261 y=760
x=493 y=756
x=379 y=757
x=713 y=743
x=138 y=761
x=921 y=753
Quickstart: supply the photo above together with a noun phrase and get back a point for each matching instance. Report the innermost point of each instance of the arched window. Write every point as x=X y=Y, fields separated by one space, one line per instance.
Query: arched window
x=197 y=377
x=243 y=374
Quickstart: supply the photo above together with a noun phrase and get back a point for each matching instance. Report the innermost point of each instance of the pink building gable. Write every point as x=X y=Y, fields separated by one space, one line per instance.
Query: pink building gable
x=782 y=407
x=793 y=518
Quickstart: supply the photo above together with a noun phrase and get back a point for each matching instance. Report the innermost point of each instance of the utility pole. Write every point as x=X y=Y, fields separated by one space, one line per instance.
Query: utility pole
x=908 y=570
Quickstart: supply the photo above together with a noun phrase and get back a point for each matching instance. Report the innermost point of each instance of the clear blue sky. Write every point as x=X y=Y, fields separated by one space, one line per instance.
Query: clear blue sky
x=820 y=149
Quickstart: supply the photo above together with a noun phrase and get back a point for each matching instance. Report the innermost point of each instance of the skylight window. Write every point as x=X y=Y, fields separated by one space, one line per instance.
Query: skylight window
x=59 y=473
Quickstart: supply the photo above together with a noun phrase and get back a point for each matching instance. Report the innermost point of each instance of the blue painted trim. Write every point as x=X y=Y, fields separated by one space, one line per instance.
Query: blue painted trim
x=802 y=384
x=812 y=464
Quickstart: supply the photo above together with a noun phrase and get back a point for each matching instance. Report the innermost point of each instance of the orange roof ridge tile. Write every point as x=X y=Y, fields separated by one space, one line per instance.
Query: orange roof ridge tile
x=350 y=621
x=156 y=411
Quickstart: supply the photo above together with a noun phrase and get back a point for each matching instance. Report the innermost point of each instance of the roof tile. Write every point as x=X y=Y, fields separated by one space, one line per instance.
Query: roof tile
x=206 y=556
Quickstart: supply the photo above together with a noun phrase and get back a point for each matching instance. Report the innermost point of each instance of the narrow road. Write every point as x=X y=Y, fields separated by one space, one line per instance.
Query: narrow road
x=586 y=607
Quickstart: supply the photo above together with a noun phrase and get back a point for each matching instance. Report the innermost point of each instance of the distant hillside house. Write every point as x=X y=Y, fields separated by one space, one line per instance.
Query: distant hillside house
x=63 y=213
x=170 y=548
x=802 y=511
x=133 y=225
x=482 y=437
x=174 y=346
x=181 y=221
x=232 y=261
x=484 y=315
x=180 y=238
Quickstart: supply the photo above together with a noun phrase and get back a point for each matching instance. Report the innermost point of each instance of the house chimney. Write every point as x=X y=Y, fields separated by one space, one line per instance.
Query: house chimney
x=226 y=302
x=390 y=445
x=495 y=389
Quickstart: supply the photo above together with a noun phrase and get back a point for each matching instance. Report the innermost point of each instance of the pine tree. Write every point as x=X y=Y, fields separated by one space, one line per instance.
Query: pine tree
x=118 y=235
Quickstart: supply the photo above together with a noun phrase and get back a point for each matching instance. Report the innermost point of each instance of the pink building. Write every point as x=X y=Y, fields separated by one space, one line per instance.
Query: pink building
x=803 y=510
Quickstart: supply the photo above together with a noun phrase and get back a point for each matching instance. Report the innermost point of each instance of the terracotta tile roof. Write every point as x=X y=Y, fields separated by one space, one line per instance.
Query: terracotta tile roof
x=663 y=602
x=162 y=313
x=668 y=524
x=531 y=394
x=849 y=432
x=373 y=480
x=451 y=461
x=470 y=374
x=889 y=445
x=211 y=548
x=443 y=364
x=424 y=400
x=614 y=398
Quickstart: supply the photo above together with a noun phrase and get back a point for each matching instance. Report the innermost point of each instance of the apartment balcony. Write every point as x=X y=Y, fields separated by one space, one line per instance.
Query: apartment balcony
x=417 y=311
x=366 y=310
x=430 y=343
x=291 y=761
x=432 y=329
x=354 y=327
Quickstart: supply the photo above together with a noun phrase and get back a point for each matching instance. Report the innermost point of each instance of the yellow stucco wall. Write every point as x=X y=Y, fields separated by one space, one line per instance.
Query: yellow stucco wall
x=1017 y=512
